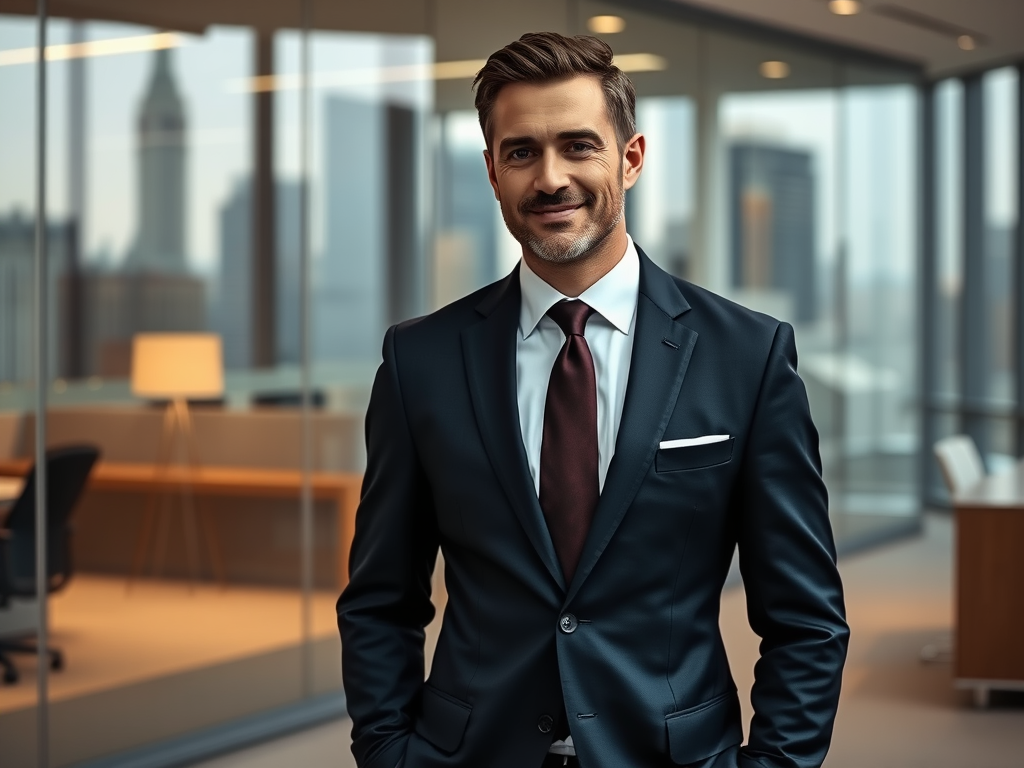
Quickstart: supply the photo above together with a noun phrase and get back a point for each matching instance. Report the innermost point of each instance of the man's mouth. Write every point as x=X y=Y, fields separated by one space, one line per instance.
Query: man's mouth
x=552 y=213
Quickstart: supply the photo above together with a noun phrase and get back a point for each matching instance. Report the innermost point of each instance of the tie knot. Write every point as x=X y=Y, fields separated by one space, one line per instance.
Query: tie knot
x=571 y=316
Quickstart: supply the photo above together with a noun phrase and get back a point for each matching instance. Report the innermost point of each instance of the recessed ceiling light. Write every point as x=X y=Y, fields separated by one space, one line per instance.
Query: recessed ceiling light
x=606 y=25
x=966 y=42
x=844 y=7
x=774 y=70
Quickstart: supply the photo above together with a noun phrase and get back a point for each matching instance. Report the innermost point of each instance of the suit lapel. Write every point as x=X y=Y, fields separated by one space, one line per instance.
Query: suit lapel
x=489 y=352
x=661 y=353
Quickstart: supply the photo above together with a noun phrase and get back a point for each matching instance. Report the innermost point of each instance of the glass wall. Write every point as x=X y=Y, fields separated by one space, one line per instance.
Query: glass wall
x=288 y=181
x=973 y=336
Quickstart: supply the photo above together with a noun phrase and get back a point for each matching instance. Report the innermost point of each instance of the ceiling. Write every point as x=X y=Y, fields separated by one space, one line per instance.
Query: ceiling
x=921 y=31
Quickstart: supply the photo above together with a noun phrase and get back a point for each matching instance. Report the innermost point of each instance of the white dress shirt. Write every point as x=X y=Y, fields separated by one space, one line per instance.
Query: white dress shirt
x=609 y=334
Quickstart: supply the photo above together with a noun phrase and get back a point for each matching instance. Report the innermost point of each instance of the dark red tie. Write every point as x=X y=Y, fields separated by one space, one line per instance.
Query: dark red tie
x=569 y=486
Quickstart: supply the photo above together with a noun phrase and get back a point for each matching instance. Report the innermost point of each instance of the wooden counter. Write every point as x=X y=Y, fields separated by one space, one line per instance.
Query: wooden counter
x=989 y=647
x=341 y=488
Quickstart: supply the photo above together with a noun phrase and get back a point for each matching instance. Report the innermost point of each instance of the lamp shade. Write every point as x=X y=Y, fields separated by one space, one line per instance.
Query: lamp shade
x=177 y=365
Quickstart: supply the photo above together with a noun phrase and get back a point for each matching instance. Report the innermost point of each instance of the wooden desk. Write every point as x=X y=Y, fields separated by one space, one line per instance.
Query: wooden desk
x=989 y=647
x=341 y=488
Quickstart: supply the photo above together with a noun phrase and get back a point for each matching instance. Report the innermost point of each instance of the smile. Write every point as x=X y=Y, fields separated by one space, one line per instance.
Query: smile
x=554 y=213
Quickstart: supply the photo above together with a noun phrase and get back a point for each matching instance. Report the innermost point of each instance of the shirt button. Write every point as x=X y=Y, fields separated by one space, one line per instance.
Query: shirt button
x=545 y=723
x=568 y=623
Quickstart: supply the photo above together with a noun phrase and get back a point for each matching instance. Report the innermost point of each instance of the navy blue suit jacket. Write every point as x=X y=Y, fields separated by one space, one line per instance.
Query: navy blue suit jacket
x=643 y=676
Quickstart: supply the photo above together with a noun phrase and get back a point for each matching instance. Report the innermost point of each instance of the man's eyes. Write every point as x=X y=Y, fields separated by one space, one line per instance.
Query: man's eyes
x=576 y=148
x=580 y=146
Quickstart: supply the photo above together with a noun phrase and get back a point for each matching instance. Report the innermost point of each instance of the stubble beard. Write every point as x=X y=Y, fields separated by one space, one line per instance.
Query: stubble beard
x=555 y=248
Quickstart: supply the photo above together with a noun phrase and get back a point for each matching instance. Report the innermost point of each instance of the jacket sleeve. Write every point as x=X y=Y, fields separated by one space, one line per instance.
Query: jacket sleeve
x=386 y=605
x=788 y=563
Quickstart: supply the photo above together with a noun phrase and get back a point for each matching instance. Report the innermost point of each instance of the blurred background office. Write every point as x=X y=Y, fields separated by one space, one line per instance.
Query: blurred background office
x=286 y=179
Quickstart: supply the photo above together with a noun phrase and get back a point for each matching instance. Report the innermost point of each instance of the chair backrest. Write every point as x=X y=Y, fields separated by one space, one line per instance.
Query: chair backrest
x=67 y=470
x=960 y=462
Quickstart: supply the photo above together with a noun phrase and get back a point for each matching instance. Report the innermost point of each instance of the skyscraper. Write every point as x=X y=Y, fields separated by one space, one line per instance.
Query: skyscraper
x=234 y=318
x=154 y=292
x=349 y=303
x=160 y=244
x=17 y=294
x=772 y=216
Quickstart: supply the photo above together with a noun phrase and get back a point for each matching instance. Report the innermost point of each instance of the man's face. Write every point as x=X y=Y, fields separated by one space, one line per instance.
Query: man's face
x=556 y=167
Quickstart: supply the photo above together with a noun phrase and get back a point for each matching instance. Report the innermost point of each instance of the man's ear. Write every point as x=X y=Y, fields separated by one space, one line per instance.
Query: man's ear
x=490 y=174
x=633 y=160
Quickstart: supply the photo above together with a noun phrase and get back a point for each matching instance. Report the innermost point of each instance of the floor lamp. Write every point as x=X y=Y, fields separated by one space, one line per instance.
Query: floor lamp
x=176 y=367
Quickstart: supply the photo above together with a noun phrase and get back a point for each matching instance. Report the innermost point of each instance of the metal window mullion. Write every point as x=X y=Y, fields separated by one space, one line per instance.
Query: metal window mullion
x=42 y=385
x=1018 y=264
x=928 y=200
x=974 y=342
x=306 y=498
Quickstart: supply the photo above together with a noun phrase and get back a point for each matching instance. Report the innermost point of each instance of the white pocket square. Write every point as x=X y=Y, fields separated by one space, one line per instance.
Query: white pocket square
x=686 y=442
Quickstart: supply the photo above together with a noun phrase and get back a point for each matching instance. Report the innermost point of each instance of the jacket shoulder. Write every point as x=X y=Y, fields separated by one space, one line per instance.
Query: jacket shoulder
x=449 y=320
x=710 y=307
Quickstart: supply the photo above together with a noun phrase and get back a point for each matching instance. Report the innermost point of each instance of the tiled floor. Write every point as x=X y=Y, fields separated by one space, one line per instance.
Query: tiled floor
x=895 y=712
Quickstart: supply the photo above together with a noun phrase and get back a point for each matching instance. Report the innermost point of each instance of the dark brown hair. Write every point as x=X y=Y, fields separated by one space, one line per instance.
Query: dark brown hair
x=539 y=57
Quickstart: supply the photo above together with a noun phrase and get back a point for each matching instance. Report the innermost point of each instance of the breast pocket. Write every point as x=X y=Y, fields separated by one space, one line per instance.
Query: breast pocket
x=694 y=456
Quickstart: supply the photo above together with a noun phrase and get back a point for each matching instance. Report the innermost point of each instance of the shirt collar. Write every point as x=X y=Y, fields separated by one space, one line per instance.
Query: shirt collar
x=613 y=296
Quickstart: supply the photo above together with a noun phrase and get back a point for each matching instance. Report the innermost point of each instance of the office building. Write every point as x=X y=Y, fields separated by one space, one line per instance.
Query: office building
x=162 y=239
x=234 y=300
x=17 y=295
x=773 y=215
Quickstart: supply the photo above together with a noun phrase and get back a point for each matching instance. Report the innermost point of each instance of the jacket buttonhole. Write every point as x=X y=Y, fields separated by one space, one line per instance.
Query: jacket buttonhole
x=668 y=343
x=585 y=715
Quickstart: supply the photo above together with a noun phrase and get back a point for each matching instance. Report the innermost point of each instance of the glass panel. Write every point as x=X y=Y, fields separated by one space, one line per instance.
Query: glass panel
x=185 y=581
x=879 y=300
x=818 y=230
x=661 y=205
x=949 y=105
x=18 y=404
x=471 y=248
x=1001 y=131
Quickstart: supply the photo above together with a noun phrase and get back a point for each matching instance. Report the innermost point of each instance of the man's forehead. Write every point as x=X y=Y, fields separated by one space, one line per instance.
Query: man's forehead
x=551 y=107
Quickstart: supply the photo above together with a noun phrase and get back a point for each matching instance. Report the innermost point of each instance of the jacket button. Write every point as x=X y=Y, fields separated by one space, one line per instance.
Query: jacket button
x=545 y=723
x=568 y=623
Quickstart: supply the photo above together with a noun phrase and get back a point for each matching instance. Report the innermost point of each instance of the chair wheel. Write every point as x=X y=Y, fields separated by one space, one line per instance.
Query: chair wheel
x=57 y=661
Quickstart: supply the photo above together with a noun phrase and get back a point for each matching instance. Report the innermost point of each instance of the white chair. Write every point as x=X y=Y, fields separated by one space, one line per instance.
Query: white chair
x=961 y=467
x=960 y=462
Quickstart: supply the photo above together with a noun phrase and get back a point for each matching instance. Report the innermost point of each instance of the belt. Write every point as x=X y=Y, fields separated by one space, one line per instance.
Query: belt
x=558 y=761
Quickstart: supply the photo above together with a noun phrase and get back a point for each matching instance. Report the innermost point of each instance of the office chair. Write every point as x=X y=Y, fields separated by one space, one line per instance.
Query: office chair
x=961 y=467
x=960 y=462
x=67 y=470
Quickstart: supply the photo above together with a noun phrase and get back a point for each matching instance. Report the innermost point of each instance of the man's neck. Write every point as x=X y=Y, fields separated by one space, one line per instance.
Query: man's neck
x=574 y=277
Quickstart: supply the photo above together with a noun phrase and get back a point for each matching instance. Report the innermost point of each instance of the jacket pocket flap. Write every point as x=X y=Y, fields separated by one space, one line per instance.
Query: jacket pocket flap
x=694 y=456
x=442 y=719
x=700 y=732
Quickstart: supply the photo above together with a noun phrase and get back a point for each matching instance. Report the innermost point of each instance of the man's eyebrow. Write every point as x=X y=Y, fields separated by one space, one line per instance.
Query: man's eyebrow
x=516 y=141
x=583 y=133
x=578 y=133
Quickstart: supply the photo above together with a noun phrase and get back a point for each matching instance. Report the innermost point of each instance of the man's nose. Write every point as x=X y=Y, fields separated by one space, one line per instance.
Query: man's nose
x=552 y=174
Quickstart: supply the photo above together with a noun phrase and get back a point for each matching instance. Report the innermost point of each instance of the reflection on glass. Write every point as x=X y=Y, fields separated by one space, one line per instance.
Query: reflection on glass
x=660 y=208
x=1000 y=194
x=819 y=216
x=949 y=234
x=879 y=327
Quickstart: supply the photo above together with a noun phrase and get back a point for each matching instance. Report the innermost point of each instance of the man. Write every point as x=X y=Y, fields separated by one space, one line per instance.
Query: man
x=587 y=441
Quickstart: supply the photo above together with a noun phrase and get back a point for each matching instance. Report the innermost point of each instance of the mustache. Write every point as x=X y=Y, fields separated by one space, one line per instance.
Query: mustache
x=562 y=197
